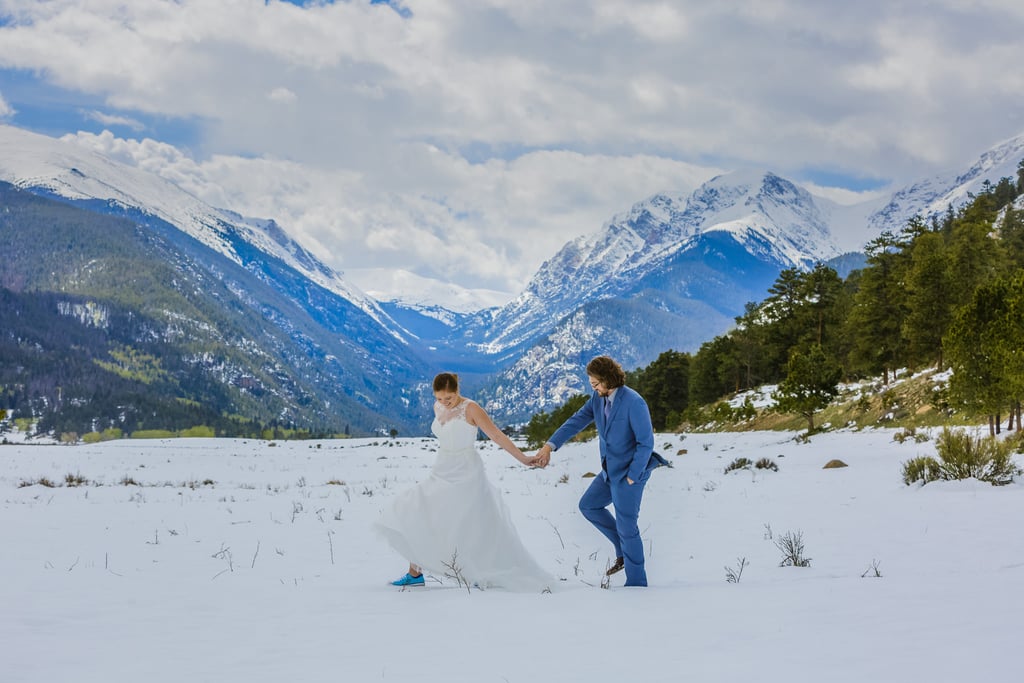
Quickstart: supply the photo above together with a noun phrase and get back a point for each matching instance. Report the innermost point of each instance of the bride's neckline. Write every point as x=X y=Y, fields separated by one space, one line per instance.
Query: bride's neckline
x=458 y=411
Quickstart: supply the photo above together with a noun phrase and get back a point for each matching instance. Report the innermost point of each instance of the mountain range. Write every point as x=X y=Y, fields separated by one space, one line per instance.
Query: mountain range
x=243 y=306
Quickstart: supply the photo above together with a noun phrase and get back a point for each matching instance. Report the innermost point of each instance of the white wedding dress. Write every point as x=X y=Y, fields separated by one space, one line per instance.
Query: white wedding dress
x=457 y=519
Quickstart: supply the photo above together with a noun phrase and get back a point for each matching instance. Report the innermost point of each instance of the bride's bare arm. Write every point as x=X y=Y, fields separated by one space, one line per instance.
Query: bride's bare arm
x=478 y=417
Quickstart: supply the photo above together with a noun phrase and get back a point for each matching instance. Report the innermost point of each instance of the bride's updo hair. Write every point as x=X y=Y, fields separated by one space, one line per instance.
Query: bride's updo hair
x=446 y=381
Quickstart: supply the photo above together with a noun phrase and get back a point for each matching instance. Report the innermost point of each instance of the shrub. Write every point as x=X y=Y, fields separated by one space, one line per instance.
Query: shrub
x=792 y=547
x=1015 y=441
x=153 y=434
x=923 y=469
x=746 y=411
x=41 y=481
x=108 y=434
x=75 y=480
x=722 y=412
x=198 y=432
x=766 y=464
x=739 y=464
x=965 y=456
x=734 y=575
x=909 y=433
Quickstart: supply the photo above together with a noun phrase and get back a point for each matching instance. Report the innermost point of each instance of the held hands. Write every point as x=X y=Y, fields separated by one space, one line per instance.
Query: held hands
x=542 y=458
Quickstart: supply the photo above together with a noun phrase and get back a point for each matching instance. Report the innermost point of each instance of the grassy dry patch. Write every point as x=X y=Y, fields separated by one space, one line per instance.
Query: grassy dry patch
x=911 y=402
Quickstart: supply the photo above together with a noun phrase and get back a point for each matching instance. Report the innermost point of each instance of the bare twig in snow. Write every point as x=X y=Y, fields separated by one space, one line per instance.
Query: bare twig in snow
x=456 y=571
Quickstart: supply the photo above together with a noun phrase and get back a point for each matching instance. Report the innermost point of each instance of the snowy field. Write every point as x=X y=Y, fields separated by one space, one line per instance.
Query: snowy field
x=251 y=561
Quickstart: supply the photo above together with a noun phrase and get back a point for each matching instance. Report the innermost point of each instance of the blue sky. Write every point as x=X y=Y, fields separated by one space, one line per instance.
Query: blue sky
x=468 y=140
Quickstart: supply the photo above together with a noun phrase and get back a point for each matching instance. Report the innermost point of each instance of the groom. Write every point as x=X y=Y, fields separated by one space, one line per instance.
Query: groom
x=627 y=458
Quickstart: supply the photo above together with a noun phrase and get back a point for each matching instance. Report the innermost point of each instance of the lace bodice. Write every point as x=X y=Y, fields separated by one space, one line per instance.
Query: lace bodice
x=451 y=428
x=446 y=415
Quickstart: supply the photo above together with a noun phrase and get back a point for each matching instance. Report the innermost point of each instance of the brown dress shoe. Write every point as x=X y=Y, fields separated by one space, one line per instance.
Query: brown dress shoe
x=615 y=568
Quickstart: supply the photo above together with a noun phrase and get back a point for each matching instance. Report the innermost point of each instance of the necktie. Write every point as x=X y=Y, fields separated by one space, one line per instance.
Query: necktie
x=607 y=408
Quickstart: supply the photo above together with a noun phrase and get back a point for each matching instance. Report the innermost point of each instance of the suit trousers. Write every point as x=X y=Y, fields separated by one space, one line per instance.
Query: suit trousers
x=623 y=528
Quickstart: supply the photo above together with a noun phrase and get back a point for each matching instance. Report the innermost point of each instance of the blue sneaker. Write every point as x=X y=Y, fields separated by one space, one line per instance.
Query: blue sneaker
x=409 y=580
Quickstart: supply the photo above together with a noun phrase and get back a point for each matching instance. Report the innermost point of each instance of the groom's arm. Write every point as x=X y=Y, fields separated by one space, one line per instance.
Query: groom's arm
x=574 y=425
x=570 y=428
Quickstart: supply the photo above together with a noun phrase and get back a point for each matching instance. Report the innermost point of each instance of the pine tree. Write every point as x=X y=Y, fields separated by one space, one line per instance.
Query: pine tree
x=1011 y=236
x=812 y=381
x=781 y=312
x=875 y=322
x=929 y=310
x=713 y=371
x=983 y=348
x=975 y=258
x=665 y=386
x=749 y=346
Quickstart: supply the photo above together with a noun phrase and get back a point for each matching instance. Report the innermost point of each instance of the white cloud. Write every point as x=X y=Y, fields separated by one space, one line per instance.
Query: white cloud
x=6 y=110
x=282 y=95
x=485 y=225
x=481 y=135
x=114 y=120
x=842 y=196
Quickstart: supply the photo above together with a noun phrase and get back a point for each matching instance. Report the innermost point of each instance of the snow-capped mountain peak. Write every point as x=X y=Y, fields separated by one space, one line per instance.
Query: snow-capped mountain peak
x=778 y=222
x=65 y=169
x=933 y=196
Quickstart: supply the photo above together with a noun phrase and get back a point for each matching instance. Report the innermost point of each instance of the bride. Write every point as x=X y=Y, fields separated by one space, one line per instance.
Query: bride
x=455 y=521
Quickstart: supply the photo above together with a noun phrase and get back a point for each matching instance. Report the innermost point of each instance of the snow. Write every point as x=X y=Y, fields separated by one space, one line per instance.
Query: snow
x=270 y=573
x=71 y=170
x=934 y=195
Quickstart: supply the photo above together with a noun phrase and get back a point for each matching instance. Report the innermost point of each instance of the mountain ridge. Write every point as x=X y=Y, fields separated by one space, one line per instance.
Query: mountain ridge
x=67 y=170
x=670 y=272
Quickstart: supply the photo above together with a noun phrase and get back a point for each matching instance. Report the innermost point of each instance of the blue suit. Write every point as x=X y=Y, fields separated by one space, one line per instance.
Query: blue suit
x=627 y=445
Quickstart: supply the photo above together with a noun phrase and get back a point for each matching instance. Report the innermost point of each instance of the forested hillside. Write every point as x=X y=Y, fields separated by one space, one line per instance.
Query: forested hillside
x=116 y=369
x=108 y=323
x=946 y=293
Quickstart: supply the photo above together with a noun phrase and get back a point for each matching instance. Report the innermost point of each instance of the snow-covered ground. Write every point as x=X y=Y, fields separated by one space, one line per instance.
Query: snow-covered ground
x=233 y=560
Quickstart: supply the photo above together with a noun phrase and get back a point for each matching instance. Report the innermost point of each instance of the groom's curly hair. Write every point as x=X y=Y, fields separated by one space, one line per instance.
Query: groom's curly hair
x=607 y=371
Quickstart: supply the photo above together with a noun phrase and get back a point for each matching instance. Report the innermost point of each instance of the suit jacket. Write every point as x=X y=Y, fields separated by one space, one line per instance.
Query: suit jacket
x=626 y=437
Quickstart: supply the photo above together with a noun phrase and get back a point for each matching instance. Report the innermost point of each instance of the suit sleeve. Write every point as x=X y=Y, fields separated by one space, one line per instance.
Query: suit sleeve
x=640 y=423
x=575 y=424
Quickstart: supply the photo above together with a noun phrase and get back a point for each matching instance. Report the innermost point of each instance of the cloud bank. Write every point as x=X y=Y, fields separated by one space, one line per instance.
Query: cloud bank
x=467 y=140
